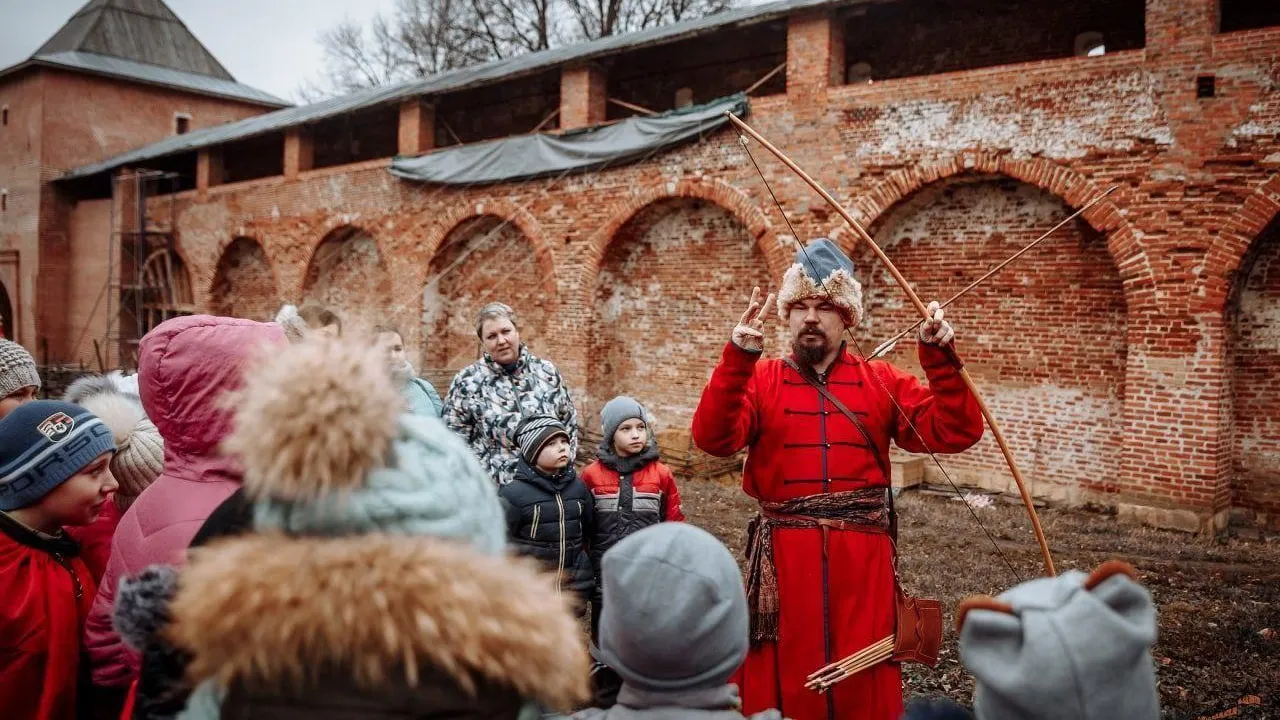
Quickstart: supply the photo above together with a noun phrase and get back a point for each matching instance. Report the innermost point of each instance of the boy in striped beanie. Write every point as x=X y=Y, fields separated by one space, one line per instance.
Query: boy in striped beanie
x=54 y=471
x=549 y=511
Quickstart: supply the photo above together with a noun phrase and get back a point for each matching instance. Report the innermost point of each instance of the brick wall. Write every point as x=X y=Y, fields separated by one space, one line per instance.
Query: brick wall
x=89 y=118
x=20 y=147
x=59 y=120
x=1045 y=339
x=347 y=274
x=661 y=305
x=244 y=284
x=483 y=260
x=1255 y=345
x=1108 y=354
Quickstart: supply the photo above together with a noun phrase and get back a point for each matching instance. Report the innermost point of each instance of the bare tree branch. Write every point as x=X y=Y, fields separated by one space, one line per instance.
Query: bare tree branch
x=426 y=37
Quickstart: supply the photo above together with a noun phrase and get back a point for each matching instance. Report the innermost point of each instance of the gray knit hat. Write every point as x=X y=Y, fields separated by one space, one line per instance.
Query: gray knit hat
x=1064 y=648
x=17 y=369
x=617 y=411
x=674 y=617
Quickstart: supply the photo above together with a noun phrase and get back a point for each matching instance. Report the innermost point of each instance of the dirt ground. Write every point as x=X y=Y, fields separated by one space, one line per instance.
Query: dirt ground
x=1218 y=653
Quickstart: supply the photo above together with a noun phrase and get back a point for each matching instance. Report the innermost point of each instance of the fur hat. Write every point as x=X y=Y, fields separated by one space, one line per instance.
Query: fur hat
x=821 y=270
x=1071 y=647
x=327 y=450
x=139 y=457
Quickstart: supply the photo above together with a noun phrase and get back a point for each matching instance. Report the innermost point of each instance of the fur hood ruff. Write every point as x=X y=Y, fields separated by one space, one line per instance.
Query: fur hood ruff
x=269 y=611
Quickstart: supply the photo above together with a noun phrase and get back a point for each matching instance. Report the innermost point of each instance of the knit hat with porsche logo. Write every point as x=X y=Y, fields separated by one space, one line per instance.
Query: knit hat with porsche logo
x=42 y=445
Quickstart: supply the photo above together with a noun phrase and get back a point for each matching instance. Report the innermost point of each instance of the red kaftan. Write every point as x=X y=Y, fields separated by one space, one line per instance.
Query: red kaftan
x=836 y=600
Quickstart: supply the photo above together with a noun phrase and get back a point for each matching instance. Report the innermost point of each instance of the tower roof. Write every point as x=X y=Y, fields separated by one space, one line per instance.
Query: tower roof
x=144 y=41
x=144 y=31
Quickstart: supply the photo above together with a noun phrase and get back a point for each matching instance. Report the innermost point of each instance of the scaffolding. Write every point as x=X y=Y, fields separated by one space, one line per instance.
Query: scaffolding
x=151 y=283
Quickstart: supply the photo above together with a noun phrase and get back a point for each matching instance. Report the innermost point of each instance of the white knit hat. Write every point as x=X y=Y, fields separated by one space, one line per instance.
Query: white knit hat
x=139 y=458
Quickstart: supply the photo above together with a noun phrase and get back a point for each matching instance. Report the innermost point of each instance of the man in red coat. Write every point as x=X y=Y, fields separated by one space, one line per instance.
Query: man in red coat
x=821 y=583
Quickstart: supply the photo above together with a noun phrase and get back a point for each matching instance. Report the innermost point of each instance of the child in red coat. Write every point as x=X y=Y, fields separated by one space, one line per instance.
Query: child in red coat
x=632 y=488
x=54 y=471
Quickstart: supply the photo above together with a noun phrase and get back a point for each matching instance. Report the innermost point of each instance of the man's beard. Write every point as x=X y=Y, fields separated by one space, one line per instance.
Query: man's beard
x=808 y=354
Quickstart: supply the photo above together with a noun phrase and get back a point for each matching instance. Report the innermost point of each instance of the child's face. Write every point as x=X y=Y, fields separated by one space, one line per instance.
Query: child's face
x=631 y=437
x=11 y=402
x=80 y=500
x=554 y=455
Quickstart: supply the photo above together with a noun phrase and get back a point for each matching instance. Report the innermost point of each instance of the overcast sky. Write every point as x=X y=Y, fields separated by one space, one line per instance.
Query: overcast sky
x=269 y=44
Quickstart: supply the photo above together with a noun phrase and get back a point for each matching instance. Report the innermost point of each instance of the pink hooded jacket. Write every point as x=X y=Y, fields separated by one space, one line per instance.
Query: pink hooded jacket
x=185 y=366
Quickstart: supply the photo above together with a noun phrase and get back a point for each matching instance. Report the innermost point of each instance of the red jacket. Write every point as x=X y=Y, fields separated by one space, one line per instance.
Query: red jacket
x=835 y=588
x=95 y=539
x=45 y=594
x=627 y=502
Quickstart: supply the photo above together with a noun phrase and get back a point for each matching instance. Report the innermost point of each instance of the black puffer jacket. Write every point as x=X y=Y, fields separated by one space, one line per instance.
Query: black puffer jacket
x=551 y=518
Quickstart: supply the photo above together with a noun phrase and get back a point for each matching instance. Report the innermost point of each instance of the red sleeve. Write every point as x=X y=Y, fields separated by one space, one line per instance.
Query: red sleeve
x=725 y=421
x=671 y=511
x=944 y=412
x=591 y=475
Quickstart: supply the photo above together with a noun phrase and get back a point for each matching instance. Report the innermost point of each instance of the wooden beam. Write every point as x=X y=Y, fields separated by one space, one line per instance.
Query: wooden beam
x=756 y=85
x=633 y=108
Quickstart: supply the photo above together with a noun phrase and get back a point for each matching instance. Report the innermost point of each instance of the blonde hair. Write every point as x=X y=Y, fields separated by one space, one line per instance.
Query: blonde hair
x=495 y=311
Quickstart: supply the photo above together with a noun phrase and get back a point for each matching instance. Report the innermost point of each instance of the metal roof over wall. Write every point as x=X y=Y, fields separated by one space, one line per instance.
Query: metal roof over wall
x=465 y=78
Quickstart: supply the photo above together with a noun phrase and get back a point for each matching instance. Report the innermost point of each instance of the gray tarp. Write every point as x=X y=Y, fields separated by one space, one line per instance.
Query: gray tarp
x=529 y=156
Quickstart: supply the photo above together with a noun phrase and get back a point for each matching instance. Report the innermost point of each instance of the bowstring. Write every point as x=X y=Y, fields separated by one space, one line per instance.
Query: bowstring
x=849 y=332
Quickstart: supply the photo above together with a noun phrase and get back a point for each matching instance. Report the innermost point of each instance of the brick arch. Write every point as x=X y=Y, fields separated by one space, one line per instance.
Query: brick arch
x=444 y=225
x=1123 y=243
x=726 y=196
x=364 y=309
x=224 y=245
x=498 y=268
x=326 y=231
x=1232 y=245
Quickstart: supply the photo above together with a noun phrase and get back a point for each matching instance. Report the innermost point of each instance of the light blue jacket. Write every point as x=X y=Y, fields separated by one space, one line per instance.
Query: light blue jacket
x=422 y=397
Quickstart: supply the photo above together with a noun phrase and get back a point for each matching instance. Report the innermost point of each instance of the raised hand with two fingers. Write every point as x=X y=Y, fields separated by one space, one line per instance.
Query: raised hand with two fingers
x=749 y=333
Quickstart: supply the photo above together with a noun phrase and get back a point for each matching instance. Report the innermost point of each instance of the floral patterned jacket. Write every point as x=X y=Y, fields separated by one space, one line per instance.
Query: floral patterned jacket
x=485 y=403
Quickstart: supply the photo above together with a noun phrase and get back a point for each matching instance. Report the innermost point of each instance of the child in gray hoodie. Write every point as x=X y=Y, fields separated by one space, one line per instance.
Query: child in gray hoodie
x=674 y=627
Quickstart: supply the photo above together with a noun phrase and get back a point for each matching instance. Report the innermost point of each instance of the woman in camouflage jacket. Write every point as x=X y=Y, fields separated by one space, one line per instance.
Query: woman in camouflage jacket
x=489 y=398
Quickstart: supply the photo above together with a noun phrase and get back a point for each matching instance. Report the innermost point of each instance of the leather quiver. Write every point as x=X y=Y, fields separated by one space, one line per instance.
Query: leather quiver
x=918 y=636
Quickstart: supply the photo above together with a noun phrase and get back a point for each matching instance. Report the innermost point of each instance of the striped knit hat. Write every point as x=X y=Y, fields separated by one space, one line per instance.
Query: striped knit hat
x=42 y=445
x=534 y=432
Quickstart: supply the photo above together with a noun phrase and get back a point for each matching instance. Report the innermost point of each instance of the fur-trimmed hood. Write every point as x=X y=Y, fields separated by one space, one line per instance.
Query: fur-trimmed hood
x=266 y=612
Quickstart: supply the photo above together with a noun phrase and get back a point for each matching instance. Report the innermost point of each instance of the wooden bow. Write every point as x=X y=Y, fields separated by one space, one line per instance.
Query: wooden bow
x=924 y=312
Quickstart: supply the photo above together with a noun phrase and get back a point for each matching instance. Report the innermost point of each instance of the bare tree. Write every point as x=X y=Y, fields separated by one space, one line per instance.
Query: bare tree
x=425 y=37
x=601 y=18
x=515 y=27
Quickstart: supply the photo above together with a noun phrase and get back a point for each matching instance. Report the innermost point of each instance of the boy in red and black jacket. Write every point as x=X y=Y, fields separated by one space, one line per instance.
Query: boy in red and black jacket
x=632 y=488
